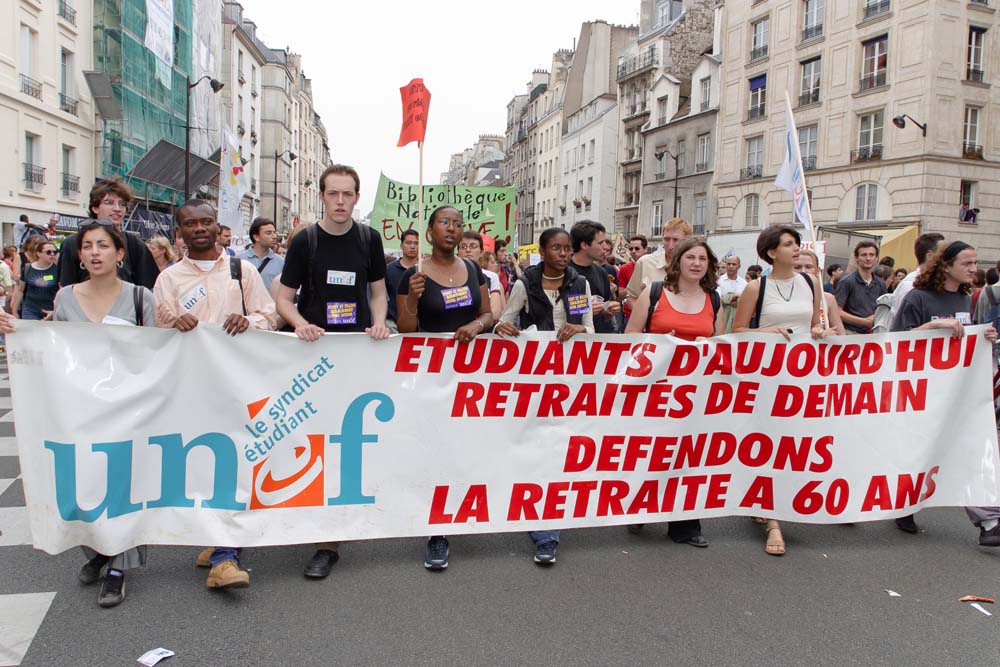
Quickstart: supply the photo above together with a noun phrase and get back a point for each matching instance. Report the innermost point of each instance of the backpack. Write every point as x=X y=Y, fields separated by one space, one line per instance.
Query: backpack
x=656 y=292
x=312 y=238
x=236 y=273
x=993 y=313
x=137 y=303
x=755 y=320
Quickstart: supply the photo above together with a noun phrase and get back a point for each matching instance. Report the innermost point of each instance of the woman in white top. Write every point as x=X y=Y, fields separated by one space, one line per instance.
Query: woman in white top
x=790 y=305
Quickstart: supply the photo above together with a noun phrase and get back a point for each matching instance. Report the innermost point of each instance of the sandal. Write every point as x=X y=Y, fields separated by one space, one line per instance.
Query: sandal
x=774 y=547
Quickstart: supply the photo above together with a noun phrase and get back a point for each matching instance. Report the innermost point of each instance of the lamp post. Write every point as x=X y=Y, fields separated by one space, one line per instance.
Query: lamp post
x=659 y=156
x=216 y=87
x=277 y=156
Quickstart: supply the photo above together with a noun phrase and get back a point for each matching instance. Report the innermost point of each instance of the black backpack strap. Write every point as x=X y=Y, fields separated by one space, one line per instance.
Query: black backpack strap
x=308 y=289
x=236 y=273
x=263 y=265
x=655 y=292
x=990 y=296
x=137 y=299
x=716 y=303
x=755 y=320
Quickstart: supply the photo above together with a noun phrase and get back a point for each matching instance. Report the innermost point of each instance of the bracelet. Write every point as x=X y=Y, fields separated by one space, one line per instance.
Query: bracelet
x=480 y=323
x=406 y=306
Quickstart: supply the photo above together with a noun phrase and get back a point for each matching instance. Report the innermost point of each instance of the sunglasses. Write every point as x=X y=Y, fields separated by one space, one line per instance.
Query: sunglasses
x=49 y=252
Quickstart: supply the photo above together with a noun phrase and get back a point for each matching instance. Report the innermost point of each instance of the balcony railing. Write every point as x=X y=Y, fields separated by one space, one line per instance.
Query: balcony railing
x=875 y=8
x=972 y=151
x=662 y=120
x=660 y=176
x=809 y=97
x=758 y=53
x=705 y=104
x=980 y=2
x=635 y=109
x=974 y=74
x=867 y=153
x=70 y=184
x=64 y=11
x=756 y=112
x=639 y=62
x=242 y=79
x=241 y=128
x=874 y=80
x=67 y=103
x=811 y=31
x=808 y=162
x=701 y=166
x=752 y=171
x=253 y=89
x=31 y=87
x=34 y=176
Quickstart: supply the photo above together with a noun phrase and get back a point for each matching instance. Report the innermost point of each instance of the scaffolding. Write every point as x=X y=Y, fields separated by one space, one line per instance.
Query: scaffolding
x=151 y=110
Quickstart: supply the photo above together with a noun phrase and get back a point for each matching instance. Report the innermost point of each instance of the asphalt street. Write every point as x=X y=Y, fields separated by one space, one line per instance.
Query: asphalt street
x=612 y=598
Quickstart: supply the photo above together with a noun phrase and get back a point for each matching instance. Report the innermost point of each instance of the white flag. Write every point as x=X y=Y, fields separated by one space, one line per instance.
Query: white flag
x=233 y=181
x=791 y=178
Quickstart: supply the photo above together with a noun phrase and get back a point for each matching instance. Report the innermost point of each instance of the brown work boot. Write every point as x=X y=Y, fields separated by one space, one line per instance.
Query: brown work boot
x=227 y=575
x=204 y=558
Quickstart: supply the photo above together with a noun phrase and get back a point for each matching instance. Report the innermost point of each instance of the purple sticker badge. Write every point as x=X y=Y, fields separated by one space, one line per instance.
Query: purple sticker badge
x=340 y=312
x=577 y=304
x=456 y=297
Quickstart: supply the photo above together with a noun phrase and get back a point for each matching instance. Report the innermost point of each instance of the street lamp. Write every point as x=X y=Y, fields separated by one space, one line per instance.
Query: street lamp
x=277 y=156
x=216 y=87
x=900 y=122
x=659 y=156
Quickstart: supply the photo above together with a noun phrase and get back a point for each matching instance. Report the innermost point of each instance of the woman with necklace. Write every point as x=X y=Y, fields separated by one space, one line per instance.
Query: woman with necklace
x=784 y=303
x=687 y=307
x=38 y=285
x=102 y=299
x=551 y=297
x=448 y=295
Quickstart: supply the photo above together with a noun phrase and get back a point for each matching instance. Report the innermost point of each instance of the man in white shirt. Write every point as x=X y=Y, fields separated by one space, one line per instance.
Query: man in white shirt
x=730 y=287
x=926 y=248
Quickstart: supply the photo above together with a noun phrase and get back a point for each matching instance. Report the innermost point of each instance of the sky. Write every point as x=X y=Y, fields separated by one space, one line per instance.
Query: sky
x=473 y=57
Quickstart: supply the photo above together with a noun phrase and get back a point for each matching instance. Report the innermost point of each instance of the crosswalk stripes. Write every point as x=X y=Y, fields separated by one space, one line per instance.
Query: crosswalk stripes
x=20 y=614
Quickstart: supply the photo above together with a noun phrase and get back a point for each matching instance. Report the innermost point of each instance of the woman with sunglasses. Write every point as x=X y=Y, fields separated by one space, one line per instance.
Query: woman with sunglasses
x=36 y=290
x=102 y=299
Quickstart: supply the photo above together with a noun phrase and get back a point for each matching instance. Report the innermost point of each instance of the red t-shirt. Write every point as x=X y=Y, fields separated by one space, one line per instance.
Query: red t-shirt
x=625 y=272
x=687 y=326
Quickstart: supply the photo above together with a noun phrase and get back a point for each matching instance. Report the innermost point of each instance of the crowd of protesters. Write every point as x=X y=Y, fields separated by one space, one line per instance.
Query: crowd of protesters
x=334 y=276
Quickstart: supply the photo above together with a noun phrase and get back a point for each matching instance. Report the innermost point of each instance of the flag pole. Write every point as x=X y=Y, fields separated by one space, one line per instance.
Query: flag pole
x=420 y=205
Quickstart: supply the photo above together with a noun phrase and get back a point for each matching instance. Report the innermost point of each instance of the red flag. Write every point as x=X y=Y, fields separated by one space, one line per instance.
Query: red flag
x=416 y=103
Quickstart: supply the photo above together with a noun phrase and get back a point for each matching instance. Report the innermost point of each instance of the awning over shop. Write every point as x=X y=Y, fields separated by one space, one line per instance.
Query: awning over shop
x=164 y=165
x=898 y=244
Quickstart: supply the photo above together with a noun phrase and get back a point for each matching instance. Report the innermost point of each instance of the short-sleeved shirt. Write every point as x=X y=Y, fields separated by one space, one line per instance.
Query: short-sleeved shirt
x=921 y=306
x=68 y=309
x=40 y=287
x=341 y=272
x=443 y=309
x=393 y=273
x=600 y=285
x=271 y=270
x=859 y=298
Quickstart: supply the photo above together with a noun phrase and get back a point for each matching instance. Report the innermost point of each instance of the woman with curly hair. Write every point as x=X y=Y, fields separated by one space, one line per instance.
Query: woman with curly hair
x=684 y=305
x=941 y=299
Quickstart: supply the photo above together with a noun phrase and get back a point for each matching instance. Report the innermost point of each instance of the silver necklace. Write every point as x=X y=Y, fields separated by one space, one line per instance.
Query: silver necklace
x=790 y=292
x=559 y=277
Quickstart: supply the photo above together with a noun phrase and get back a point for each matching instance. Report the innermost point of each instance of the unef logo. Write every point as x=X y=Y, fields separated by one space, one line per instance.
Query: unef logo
x=293 y=474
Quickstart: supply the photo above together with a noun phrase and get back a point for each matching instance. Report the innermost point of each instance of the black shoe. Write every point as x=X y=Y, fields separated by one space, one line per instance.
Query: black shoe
x=545 y=554
x=907 y=525
x=437 y=553
x=991 y=537
x=91 y=570
x=635 y=528
x=321 y=563
x=696 y=540
x=112 y=589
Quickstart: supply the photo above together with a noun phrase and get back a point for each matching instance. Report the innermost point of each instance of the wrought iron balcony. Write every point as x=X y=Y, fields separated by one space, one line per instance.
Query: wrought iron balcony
x=875 y=8
x=65 y=11
x=974 y=74
x=705 y=104
x=241 y=128
x=811 y=31
x=701 y=166
x=70 y=184
x=809 y=97
x=67 y=103
x=972 y=151
x=980 y=2
x=867 y=153
x=660 y=176
x=638 y=63
x=873 y=80
x=758 y=53
x=808 y=162
x=662 y=120
x=756 y=112
x=34 y=176
x=752 y=171
x=253 y=89
x=31 y=87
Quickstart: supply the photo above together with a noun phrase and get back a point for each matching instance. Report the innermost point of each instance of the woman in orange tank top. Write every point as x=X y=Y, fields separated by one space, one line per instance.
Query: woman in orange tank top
x=688 y=308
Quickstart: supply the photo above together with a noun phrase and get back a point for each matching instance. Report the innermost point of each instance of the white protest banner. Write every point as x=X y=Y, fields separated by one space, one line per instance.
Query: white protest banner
x=149 y=436
x=160 y=36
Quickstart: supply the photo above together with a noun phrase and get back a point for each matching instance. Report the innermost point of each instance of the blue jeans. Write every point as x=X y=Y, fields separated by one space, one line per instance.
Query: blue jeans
x=540 y=537
x=222 y=554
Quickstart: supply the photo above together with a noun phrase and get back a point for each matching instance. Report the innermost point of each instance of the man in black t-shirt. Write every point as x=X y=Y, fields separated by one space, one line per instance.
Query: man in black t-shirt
x=588 y=257
x=337 y=267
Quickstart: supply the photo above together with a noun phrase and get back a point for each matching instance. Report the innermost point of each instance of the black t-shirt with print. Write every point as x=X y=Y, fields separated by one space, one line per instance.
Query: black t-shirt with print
x=338 y=296
x=443 y=308
x=600 y=285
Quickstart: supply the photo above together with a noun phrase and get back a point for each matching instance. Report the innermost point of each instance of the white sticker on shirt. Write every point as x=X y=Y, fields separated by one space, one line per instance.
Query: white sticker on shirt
x=117 y=321
x=346 y=278
x=193 y=298
x=963 y=318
